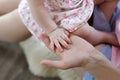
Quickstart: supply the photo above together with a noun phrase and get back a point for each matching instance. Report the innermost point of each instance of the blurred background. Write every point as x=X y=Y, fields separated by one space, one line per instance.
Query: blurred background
x=13 y=65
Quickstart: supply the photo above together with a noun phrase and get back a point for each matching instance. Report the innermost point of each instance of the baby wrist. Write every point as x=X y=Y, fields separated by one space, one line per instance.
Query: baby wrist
x=51 y=30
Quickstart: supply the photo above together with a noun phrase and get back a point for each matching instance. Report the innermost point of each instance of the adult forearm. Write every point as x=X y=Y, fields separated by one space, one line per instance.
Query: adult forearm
x=101 y=68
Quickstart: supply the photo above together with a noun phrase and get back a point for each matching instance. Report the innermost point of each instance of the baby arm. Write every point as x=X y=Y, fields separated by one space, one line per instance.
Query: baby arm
x=94 y=36
x=58 y=37
x=41 y=15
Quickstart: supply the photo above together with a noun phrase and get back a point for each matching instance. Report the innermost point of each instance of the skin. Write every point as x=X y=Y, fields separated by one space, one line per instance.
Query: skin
x=88 y=58
x=58 y=37
x=12 y=29
x=5 y=8
x=49 y=26
x=96 y=69
x=108 y=8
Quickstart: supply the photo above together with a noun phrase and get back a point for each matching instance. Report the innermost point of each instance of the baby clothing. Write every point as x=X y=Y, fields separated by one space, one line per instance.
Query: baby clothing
x=69 y=14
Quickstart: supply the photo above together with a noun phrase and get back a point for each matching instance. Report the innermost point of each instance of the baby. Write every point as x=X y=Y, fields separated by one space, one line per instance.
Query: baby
x=60 y=18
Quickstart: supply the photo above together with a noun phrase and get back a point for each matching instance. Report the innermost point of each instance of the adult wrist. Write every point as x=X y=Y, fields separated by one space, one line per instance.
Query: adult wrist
x=95 y=58
x=101 y=68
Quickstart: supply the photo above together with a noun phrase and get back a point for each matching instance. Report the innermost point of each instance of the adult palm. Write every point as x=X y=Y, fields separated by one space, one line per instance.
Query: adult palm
x=79 y=54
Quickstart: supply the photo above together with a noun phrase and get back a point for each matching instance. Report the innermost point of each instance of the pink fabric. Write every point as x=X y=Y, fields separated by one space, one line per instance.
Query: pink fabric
x=116 y=50
x=69 y=14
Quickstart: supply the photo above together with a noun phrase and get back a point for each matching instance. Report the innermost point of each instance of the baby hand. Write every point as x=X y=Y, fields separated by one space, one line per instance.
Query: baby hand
x=59 y=39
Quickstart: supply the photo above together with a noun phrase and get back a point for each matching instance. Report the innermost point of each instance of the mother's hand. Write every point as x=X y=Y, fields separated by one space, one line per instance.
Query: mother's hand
x=82 y=54
x=79 y=55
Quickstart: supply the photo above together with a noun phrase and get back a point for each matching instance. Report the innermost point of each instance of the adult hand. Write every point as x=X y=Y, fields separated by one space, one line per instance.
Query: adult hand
x=82 y=54
x=79 y=54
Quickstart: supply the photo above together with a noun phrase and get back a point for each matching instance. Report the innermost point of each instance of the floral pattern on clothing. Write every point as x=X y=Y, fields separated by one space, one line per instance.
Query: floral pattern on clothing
x=69 y=14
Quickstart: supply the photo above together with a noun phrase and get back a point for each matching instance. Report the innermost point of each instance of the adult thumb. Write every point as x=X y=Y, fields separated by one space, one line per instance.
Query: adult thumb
x=55 y=64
